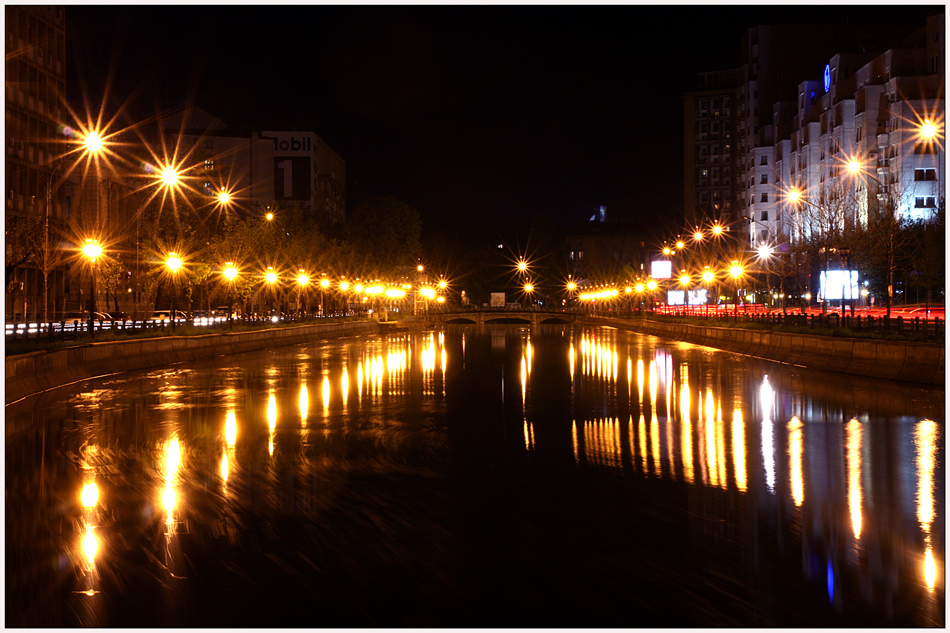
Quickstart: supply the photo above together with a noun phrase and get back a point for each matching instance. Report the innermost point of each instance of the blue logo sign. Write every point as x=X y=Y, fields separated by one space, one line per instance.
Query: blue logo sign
x=827 y=77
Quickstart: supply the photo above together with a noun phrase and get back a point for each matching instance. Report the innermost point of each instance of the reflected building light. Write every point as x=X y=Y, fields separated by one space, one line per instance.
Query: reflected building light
x=930 y=568
x=629 y=379
x=686 y=433
x=359 y=380
x=768 y=455
x=529 y=354
x=615 y=366
x=738 y=450
x=570 y=363
x=326 y=394
x=853 y=446
x=90 y=495
x=524 y=381
x=230 y=428
x=642 y=434
x=172 y=457
x=654 y=384
x=925 y=440
x=655 y=443
x=224 y=468
x=574 y=439
x=272 y=412
x=304 y=404
x=345 y=385
x=766 y=397
x=721 y=447
x=768 y=442
x=712 y=452
x=795 y=450
x=90 y=547
x=528 y=436
x=169 y=498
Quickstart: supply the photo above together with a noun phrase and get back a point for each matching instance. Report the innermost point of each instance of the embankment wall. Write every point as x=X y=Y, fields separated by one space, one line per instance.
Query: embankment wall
x=893 y=360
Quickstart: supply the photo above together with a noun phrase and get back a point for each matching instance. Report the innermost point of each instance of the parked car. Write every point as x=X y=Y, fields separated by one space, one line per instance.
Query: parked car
x=165 y=315
x=221 y=312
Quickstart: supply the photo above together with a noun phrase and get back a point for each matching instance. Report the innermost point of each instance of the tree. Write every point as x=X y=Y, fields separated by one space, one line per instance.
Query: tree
x=386 y=232
x=928 y=253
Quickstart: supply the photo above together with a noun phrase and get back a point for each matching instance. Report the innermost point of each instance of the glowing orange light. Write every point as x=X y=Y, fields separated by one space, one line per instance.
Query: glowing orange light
x=92 y=250
x=93 y=142
x=173 y=262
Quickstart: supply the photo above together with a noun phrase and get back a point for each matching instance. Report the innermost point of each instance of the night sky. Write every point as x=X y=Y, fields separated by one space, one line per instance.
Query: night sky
x=493 y=114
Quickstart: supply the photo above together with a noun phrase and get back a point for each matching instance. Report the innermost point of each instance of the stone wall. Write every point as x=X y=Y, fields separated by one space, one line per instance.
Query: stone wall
x=893 y=360
x=27 y=374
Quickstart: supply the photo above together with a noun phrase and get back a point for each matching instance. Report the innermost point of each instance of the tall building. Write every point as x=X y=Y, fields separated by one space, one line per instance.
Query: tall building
x=810 y=97
x=36 y=82
x=262 y=171
x=709 y=155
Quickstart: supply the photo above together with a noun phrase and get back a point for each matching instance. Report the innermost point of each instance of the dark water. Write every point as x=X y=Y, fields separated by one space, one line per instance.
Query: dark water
x=473 y=477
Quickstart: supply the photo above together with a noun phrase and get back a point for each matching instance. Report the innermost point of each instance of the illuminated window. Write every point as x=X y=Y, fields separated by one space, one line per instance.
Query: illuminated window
x=925 y=202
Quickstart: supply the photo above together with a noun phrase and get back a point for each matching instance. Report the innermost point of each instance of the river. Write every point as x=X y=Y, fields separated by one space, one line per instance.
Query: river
x=555 y=476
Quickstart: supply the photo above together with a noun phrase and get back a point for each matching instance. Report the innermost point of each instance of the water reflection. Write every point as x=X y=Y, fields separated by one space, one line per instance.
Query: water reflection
x=325 y=506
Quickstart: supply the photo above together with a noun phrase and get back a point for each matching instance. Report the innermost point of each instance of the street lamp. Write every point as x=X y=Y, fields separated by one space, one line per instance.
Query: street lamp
x=302 y=280
x=736 y=271
x=173 y=263
x=92 y=251
x=708 y=278
x=324 y=284
x=230 y=274
x=271 y=278
x=684 y=281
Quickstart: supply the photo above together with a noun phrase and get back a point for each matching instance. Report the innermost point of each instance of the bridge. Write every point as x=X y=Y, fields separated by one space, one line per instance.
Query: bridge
x=504 y=317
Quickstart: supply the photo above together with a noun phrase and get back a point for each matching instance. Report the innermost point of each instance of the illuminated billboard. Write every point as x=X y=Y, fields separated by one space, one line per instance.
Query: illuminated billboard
x=661 y=269
x=678 y=297
x=838 y=284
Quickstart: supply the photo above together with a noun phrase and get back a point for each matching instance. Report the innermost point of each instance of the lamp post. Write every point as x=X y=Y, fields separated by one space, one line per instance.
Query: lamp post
x=708 y=278
x=173 y=263
x=92 y=250
x=324 y=284
x=230 y=273
x=271 y=278
x=736 y=272
x=684 y=281
x=302 y=281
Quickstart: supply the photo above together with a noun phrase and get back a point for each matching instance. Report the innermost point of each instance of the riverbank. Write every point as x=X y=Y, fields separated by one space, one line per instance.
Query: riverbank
x=29 y=374
x=921 y=363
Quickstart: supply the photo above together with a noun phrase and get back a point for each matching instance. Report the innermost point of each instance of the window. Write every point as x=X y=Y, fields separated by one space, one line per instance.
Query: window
x=765 y=216
x=924 y=148
x=925 y=174
x=765 y=160
x=925 y=202
x=765 y=179
x=209 y=165
x=765 y=197
x=209 y=144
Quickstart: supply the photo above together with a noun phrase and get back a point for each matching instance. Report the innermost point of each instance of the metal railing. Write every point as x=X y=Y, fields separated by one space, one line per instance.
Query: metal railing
x=75 y=328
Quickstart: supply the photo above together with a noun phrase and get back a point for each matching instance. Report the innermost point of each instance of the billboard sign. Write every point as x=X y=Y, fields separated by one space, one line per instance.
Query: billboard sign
x=661 y=269
x=839 y=284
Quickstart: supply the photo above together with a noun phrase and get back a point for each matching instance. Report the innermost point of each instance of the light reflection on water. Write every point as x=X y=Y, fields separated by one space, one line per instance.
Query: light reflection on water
x=222 y=449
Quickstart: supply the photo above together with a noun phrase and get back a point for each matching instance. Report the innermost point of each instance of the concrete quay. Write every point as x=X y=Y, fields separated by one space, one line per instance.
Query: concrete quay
x=921 y=363
x=29 y=374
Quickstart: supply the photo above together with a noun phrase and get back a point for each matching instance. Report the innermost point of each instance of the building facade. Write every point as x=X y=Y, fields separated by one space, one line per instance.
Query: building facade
x=866 y=106
x=35 y=82
x=709 y=159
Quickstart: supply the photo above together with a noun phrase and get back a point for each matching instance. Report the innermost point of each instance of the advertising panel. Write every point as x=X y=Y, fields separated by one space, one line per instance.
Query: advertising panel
x=838 y=284
x=661 y=269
